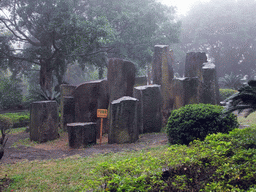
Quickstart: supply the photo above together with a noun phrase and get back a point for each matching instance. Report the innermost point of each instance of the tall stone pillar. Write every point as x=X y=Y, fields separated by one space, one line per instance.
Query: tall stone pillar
x=211 y=86
x=163 y=73
x=65 y=91
x=193 y=68
x=121 y=78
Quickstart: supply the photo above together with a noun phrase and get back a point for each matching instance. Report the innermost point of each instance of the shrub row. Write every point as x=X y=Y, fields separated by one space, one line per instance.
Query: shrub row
x=222 y=162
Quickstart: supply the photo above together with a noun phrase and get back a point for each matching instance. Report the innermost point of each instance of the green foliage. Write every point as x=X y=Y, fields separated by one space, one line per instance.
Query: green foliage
x=19 y=119
x=137 y=26
x=10 y=93
x=231 y=81
x=68 y=34
x=225 y=93
x=38 y=94
x=245 y=99
x=196 y=121
x=5 y=125
x=222 y=162
x=5 y=122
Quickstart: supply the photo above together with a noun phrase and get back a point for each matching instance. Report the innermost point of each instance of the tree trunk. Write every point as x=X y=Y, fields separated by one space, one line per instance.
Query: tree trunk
x=46 y=77
x=101 y=71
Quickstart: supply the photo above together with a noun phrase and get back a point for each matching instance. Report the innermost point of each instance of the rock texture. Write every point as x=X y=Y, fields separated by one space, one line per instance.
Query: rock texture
x=149 y=108
x=81 y=134
x=123 y=121
x=121 y=78
x=44 y=121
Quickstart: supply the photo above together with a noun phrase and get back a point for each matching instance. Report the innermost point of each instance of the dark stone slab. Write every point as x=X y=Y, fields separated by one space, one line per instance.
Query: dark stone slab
x=149 y=108
x=89 y=97
x=68 y=111
x=210 y=87
x=163 y=73
x=123 y=121
x=193 y=68
x=81 y=134
x=66 y=90
x=194 y=63
x=121 y=78
x=43 y=121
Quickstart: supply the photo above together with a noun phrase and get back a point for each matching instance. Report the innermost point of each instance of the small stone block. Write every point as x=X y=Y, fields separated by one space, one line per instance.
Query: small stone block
x=81 y=134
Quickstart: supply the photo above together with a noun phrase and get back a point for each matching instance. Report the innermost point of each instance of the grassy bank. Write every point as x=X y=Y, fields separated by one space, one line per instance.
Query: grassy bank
x=223 y=162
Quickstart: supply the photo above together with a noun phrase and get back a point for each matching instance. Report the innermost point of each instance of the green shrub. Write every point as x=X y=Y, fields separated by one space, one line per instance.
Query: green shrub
x=196 y=121
x=20 y=119
x=5 y=122
x=225 y=93
x=10 y=93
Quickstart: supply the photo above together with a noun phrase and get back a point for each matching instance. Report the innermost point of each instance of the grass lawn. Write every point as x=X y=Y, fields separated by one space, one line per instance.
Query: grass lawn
x=228 y=159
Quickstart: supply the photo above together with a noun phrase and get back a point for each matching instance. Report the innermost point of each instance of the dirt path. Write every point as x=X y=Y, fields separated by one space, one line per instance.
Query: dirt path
x=60 y=149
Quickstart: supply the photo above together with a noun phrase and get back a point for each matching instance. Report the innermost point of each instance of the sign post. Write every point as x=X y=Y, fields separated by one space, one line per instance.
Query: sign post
x=102 y=113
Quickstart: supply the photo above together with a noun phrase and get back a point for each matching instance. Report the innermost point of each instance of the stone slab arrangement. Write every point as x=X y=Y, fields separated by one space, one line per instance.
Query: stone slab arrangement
x=81 y=134
x=43 y=121
x=149 y=108
x=123 y=121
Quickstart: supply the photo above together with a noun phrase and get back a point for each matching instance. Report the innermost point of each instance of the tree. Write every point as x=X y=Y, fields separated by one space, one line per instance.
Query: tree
x=138 y=26
x=226 y=31
x=53 y=33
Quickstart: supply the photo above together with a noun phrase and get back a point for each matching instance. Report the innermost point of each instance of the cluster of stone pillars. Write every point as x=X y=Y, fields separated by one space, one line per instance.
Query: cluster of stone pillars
x=199 y=84
x=132 y=110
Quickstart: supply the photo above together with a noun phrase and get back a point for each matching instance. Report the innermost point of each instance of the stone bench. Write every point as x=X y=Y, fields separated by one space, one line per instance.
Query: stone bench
x=81 y=134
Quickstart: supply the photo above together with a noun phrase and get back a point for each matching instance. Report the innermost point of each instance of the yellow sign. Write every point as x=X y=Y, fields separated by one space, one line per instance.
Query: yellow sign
x=102 y=113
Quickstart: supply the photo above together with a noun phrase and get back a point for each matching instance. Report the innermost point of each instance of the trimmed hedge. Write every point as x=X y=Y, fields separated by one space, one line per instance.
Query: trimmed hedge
x=196 y=121
x=225 y=93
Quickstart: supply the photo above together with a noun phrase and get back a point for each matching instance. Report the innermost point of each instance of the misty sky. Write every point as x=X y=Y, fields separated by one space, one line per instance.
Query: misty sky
x=182 y=5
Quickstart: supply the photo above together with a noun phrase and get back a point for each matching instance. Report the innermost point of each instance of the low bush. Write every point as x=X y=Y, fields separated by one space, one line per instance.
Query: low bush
x=196 y=121
x=20 y=119
x=225 y=93
x=5 y=124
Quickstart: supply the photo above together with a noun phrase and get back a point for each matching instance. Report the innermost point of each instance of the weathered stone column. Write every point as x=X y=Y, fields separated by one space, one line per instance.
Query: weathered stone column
x=179 y=92
x=211 y=88
x=43 y=121
x=81 y=134
x=89 y=97
x=66 y=90
x=149 y=108
x=123 y=121
x=163 y=73
x=121 y=78
x=185 y=91
x=68 y=111
x=193 y=68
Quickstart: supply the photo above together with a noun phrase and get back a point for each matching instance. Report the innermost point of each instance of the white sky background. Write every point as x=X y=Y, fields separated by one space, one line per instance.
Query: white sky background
x=183 y=6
